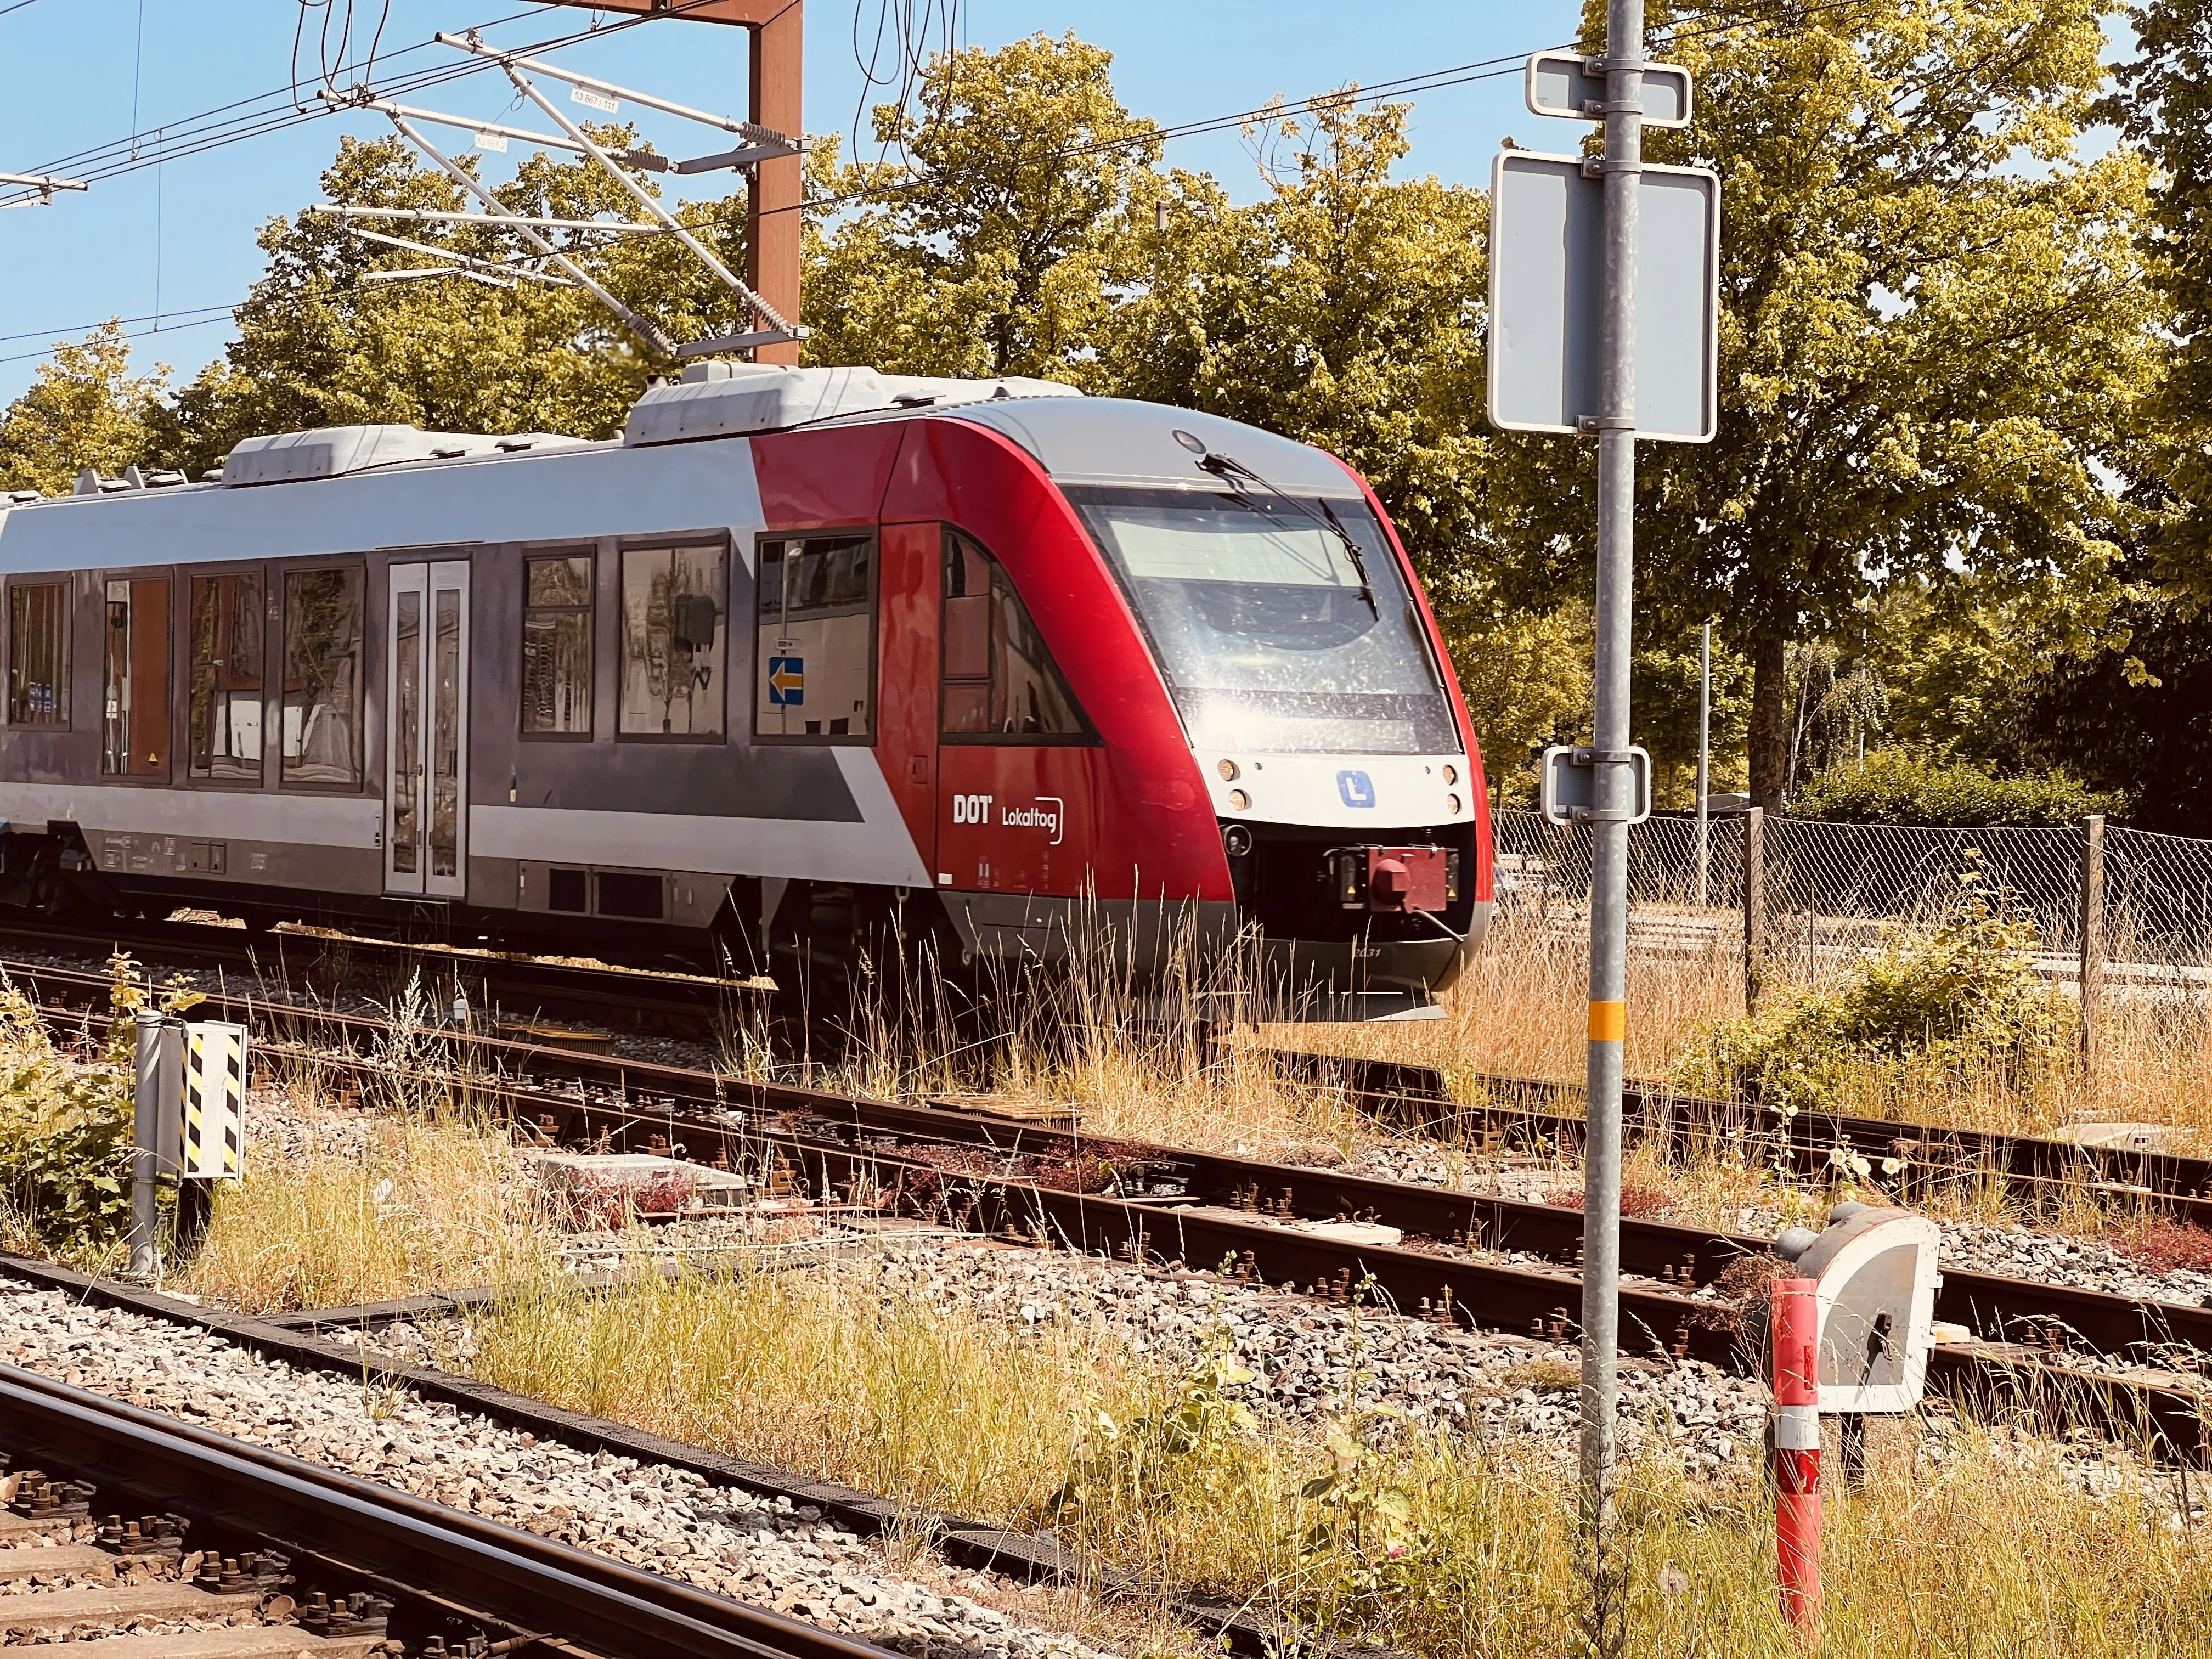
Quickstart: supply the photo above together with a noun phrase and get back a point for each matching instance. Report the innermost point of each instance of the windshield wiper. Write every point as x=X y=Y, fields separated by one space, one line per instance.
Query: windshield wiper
x=1228 y=470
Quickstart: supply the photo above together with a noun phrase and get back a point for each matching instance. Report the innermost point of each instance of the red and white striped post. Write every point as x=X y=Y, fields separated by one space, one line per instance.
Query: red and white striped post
x=1797 y=1449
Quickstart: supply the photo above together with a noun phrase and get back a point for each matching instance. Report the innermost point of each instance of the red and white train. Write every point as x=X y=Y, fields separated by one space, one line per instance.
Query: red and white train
x=805 y=653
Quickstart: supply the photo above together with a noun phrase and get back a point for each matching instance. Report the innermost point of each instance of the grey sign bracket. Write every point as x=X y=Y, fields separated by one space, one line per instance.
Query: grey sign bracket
x=1570 y=791
x=1572 y=88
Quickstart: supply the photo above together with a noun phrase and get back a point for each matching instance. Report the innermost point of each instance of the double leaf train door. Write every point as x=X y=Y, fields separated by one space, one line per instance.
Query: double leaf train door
x=426 y=728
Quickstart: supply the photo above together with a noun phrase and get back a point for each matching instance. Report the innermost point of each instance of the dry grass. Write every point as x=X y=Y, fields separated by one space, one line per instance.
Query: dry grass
x=1136 y=1064
x=1519 y=1010
x=892 y=1396
x=427 y=1203
x=1460 y=1551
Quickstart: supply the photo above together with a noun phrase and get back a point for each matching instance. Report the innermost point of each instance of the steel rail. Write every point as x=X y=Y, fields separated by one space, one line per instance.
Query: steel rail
x=1413 y=1098
x=843 y=1141
x=1997 y=1308
x=524 y=986
x=1417 y=1099
x=515 y=1577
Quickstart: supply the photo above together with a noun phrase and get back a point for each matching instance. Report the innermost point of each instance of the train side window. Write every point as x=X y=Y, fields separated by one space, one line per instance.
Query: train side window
x=135 y=691
x=38 y=653
x=1000 y=683
x=222 y=715
x=815 y=668
x=323 y=678
x=557 y=647
x=675 y=639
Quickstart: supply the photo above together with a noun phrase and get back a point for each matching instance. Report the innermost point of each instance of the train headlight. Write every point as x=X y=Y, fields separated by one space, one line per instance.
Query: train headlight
x=1451 y=773
x=1452 y=804
x=1238 y=800
x=1228 y=769
x=1236 y=840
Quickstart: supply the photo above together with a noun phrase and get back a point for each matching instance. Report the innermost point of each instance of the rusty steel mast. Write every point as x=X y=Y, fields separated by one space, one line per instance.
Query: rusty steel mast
x=772 y=202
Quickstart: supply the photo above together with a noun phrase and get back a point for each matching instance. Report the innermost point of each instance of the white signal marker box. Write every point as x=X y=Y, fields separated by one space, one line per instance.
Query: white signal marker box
x=1876 y=1268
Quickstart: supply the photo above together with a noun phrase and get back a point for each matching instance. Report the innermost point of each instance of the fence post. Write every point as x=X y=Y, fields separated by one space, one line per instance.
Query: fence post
x=1705 y=757
x=1754 y=905
x=2093 y=937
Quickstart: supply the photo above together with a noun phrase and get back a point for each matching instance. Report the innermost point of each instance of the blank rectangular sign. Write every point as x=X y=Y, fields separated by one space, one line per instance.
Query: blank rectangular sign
x=1546 y=253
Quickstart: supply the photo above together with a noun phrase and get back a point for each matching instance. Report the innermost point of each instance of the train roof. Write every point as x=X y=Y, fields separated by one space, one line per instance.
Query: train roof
x=348 y=488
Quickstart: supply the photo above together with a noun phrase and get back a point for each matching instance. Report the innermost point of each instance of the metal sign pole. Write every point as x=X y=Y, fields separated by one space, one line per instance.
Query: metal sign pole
x=1604 y=1564
x=145 y=1137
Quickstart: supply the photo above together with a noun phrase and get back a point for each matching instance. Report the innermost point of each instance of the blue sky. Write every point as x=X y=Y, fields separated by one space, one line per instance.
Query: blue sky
x=178 y=238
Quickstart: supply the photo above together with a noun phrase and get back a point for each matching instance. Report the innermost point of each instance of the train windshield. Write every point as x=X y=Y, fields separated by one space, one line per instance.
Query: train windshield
x=1263 y=626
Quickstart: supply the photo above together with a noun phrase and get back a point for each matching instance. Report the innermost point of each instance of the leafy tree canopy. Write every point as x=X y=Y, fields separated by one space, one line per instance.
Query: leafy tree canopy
x=323 y=343
x=2163 y=103
x=85 y=410
x=998 y=245
x=1935 y=324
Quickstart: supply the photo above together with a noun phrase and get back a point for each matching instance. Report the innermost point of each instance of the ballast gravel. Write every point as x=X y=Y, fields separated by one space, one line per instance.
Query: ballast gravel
x=1309 y=1360
x=2073 y=1260
x=669 y=1521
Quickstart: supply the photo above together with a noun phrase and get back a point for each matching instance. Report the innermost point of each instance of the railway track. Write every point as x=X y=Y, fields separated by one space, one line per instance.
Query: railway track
x=1529 y=1111
x=307 y=1560
x=2134 y=1367
x=323 y=967
x=513 y=993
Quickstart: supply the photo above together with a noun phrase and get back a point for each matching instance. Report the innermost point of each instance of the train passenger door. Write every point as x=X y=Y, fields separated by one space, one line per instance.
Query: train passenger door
x=426 y=728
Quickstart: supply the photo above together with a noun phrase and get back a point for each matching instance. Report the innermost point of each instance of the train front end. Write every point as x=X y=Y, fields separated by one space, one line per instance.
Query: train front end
x=1290 y=754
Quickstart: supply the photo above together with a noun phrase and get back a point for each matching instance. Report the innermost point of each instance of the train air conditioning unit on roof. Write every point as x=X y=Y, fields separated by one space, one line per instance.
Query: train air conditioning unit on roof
x=722 y=399
x=335 y=451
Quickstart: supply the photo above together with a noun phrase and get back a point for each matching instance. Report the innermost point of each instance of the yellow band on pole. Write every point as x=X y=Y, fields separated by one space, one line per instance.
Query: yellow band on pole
x=1608 y=1021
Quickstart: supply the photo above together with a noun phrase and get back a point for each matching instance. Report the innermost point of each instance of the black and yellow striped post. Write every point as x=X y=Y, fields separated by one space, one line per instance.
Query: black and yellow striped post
x=215 y=1102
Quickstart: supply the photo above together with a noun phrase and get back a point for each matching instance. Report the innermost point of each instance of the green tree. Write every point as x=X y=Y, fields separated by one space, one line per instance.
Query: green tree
x=2163 y=103
x=322 y=343
x=2136 y=716
x=997 y=245
x=1525 y=676
x=86 y=409
x=1935 y=325
x=1345 y=307
x=1664 y=684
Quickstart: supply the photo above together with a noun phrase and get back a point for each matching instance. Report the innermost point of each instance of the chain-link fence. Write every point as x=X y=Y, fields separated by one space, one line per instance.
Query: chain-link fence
x=1835 y=879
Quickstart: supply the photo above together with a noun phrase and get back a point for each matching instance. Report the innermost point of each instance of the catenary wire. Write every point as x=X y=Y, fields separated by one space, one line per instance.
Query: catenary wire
x=26 y=356
x=274 y=111
x=1482 y=69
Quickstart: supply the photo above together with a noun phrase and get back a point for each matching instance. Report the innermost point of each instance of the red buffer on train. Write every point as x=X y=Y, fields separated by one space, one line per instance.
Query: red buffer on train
x=805 y=659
